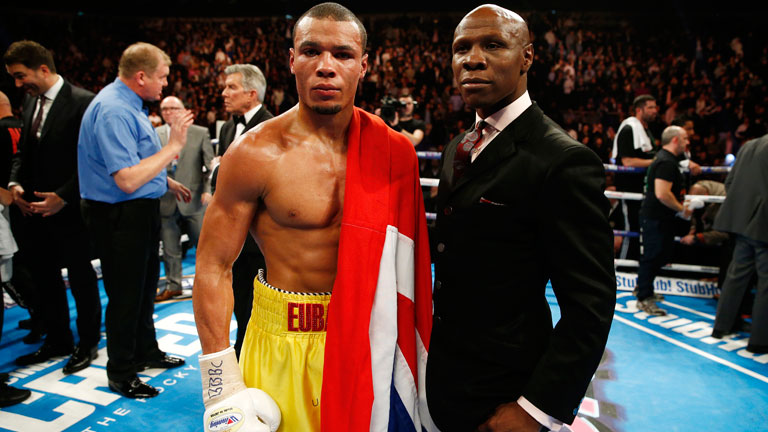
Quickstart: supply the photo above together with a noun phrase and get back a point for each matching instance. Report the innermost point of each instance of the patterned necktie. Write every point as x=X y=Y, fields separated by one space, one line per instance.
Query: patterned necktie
x=39 y=117
x=464 y=150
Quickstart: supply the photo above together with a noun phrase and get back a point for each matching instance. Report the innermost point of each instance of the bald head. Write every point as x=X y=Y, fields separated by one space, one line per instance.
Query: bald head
x=698 y=189
x=512 y=22
x=170 y=108
x=674 y=139
x=491 y=57
x=5 y=106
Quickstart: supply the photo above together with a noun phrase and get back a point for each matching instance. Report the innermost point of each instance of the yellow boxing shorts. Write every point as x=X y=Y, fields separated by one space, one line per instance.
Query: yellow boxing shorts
x=283 y=351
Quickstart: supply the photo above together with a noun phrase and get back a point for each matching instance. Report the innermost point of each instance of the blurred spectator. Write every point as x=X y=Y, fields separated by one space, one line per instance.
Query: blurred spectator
x=8 y=395
x=634 y=146
x=663 y=189
x=745 y=214
x=708 y=246
x=617 y=221
x=191 y=168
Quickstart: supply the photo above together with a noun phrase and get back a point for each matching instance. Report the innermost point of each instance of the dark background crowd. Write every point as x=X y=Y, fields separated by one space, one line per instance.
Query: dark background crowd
x=709 y=66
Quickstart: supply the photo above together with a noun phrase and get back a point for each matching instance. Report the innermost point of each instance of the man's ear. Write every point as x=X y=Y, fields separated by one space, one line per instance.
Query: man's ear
x=291 y=59
x=527 y=58
x=364 y=64
x=44 y=69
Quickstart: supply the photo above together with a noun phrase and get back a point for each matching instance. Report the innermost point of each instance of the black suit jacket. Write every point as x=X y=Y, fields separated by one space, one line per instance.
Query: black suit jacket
x=226 y=136
x=228 y=129
x=529 y=209
x=50 y=164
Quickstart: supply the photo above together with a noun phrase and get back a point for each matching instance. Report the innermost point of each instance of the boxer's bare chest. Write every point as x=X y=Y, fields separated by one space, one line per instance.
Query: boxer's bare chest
x=307 y=189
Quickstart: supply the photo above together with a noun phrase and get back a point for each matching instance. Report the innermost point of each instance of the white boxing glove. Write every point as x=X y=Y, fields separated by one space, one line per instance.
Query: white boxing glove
x=229 y=405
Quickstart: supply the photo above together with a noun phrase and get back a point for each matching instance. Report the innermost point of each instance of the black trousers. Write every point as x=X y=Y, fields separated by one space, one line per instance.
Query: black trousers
x=244 y=270
x=56 y=242
x=657 y=239
x=22 y=270
x=127 y=238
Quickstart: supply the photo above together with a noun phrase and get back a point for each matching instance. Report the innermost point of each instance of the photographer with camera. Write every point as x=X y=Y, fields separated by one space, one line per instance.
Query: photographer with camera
x=398 y=113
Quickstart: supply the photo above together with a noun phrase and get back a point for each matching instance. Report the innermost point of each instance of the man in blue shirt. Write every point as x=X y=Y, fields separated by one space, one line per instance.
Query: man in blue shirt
x=121 y=165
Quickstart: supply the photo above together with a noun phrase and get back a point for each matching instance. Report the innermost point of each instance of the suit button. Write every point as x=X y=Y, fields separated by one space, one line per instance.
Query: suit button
x=438 y=284
x=440 y=247
x=438 y=319
x=448 y=210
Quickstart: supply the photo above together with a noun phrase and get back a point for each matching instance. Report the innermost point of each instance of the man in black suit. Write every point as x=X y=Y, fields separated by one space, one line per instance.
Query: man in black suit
x=519 y=203
x=745 y=214
x=45 y=186
x=244 y=91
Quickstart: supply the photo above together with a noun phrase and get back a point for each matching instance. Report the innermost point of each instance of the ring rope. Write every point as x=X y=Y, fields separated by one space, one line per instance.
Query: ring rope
x=608 y=167
x=675 y=267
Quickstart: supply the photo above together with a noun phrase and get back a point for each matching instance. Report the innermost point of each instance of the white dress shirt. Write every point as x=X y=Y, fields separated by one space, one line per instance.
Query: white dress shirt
x=50 y=95
x=496 y=122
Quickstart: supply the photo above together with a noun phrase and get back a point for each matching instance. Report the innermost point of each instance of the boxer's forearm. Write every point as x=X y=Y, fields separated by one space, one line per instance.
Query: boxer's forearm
x=213 y=304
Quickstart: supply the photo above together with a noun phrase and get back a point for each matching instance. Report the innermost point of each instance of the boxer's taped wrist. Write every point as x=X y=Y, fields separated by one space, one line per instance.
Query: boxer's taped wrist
x=220 y=375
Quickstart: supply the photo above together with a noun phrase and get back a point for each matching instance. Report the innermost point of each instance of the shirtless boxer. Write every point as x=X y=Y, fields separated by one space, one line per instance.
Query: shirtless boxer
x=284 y=182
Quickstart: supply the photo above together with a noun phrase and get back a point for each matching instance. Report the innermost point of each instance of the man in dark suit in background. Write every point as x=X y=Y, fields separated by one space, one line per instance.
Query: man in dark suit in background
x=191 y=168
x=244 y=91
x=519 y=203
x=45 y=186
x=745 y=214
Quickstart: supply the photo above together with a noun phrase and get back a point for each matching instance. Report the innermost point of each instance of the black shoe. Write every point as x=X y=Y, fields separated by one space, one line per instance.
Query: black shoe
x=757 y=349
x=46 y=352
x=12 y=395
x=81 y=359
x=133 y=388
x=165 y=362
x=34 y=336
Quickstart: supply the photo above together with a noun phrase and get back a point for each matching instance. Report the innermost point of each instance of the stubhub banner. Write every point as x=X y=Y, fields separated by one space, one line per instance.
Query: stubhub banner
x=670 y=286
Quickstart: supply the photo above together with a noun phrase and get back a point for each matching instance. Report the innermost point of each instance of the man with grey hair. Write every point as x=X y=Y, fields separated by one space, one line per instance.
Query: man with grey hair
x=663 y=188
x=122 y=169
x=244 y=91
x=191 y=168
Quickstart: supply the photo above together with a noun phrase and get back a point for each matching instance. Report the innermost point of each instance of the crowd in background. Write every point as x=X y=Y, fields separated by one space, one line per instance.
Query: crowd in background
x=588 y=69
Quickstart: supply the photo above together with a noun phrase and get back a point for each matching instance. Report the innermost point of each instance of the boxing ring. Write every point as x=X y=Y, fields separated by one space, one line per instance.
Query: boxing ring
x=637 y=387
x=626 y=281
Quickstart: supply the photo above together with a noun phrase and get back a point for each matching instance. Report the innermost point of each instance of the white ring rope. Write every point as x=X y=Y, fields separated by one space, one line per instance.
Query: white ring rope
x=433 y=182
x=632 y=196
x=608 y=167
x=676 y=267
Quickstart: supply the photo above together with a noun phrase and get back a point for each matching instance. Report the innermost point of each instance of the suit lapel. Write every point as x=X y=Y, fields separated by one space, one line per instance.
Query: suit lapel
x=256 y=119
x=228 y=134
x=57 y=108
x=29 y=111
x=503 y=147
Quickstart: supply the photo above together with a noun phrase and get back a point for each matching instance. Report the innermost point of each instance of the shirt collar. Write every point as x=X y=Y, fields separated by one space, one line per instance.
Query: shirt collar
x=134 y=99
x=503 y=117
x=250 y=113
x=54 y=90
